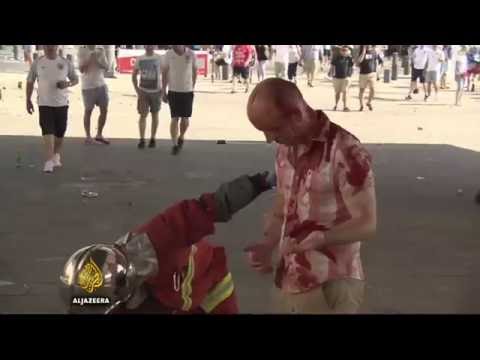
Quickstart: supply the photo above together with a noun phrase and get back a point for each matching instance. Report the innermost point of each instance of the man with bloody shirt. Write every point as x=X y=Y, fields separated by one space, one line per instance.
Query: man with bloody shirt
x=166 y=265
x=324 y=209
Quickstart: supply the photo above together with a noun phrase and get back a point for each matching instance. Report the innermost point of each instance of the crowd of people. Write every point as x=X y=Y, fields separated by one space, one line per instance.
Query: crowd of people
x=171 y=79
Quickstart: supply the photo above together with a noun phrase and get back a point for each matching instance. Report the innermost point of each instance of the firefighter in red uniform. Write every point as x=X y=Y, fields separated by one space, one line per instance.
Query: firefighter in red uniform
x=166 y=265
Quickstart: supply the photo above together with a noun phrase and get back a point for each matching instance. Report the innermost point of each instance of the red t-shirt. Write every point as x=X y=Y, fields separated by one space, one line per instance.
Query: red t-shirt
x=242 y=54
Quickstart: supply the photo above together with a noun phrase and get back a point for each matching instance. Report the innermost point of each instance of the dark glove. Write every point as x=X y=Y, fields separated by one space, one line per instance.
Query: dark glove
x=236 y=194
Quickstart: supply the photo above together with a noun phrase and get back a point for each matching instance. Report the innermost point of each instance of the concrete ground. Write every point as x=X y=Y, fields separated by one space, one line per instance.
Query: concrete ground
x=422 y=261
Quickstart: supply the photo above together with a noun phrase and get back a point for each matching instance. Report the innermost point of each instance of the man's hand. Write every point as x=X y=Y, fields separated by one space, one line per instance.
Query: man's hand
x=30 y=108
x=260 y=257
x=314 y=241
x=165 y=98
x=62 y=84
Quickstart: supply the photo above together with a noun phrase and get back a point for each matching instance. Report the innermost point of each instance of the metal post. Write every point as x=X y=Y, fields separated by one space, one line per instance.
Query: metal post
x=394 y=66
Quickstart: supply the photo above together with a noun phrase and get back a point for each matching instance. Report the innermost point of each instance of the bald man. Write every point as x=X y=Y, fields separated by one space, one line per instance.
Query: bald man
x=324 y=209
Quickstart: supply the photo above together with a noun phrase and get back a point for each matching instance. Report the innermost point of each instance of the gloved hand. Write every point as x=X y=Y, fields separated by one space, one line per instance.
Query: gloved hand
x=236 y=194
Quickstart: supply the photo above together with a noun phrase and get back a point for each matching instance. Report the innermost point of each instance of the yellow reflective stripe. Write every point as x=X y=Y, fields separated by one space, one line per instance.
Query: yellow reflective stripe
x=220 y=293
x=187 y=282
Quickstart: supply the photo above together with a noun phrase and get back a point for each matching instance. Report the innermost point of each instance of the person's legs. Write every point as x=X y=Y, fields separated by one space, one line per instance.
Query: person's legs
x=344 y=99
x=184 y=123
x=86 y=124
x=143 y=109
x=102 y=101
x=153 y=133
x=61 y=117
x=290 y=71
x=360 y=97
x=371 y=92
x=234 y=78
x=174 y=130
x=337 y=99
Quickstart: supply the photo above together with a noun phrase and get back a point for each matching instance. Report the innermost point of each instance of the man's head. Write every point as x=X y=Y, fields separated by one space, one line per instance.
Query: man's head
x=50 y=50
x=277 y=108
x=150 y=49
x=344 y=50
x=180 y=49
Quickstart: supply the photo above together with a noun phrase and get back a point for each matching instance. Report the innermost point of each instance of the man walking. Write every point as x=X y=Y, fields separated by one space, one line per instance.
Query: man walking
x=149 y=92
x=325 y=206
x=179 y=77
x=367 y=61
x=309 y=58
x=342 y=69
x=242 y=55
x=435 y=58
x=54 y=75
x=419 y=62
x=281 y=60
x=93 y=63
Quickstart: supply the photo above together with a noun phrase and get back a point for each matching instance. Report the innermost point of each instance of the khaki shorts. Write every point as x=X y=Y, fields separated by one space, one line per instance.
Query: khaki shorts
x=334 y=297
x=341 y=85
x=149 y=102
x=367 y=80
x=309 y=66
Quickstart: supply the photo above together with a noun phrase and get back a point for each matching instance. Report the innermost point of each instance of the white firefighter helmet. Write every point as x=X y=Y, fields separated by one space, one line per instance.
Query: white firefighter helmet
x=96 y=279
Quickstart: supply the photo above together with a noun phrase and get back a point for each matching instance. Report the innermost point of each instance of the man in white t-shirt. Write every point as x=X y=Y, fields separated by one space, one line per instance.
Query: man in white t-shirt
x=52 y=72
x=149 y=91
x=419 y=63
x=179 y=76
x=435 y=58
x=281 y=60
x=93 y=63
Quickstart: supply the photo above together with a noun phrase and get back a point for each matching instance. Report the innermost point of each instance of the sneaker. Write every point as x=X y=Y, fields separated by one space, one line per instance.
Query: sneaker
x=415 y=91
x=48 y=168
x=361 y=108
x=334 y=108
x=425 y=98
x=175 y=149
x=180 y=142
x=141 y=144
x=346 y=109
x=152 y=143
x=408 y=97
x=56 y=160
x=370 y=107
x=89 y=141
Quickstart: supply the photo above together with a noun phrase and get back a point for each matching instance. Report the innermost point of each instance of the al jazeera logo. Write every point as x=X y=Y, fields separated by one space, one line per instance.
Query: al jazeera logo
x=90 y=278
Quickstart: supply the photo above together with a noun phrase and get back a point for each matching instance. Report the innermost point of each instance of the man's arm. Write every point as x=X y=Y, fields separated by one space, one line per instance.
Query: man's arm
x=31 y=78
x=72 y=75
x=362 y=55
x=194 y=68
x=135 y=79
x=189 y=221
x=101 y=60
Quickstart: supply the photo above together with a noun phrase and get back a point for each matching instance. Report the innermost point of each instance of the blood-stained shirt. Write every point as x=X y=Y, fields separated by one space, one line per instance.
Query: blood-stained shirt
x=317 y=184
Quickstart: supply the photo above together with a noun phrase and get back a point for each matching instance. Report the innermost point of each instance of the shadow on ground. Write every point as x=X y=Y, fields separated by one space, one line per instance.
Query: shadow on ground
x=424 y=260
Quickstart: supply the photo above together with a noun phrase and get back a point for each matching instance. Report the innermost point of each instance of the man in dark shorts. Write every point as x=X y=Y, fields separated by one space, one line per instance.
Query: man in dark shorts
x=242 y=55
x=54 y=74
x=179 y=77
x=149 y=91
x=419 y=63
